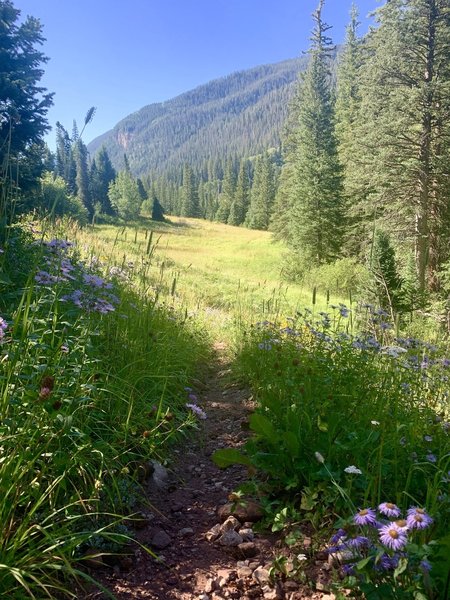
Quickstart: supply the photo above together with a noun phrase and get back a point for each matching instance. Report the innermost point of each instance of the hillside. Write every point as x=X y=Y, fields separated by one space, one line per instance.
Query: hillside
x=240 y=114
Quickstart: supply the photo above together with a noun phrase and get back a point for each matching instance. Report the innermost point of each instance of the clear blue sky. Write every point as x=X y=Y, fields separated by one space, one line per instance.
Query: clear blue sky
x=120 y=55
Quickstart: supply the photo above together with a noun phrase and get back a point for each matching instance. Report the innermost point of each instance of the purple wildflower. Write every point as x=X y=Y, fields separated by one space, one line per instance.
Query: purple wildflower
x=417 y=518
x=196 y=410
x=360 y=541
x=425 y=565
x=340 y=533
x=389 y=509
x=44 y=278
x=366 y=516
x=192 y=397
x=431 y=457
x=427 y=438
x=393 y=536
x=389 y=563
x=348 y=569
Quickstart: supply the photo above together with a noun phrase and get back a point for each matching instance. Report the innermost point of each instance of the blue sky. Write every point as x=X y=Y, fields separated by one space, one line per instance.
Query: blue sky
x=120 y=55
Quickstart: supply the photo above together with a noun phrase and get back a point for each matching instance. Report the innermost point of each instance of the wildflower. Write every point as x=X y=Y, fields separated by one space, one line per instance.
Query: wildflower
x=348 y=569
x=319 y=457
x=402 y=524
x=403 y=441
x=343 y=310
x=360 y=541
x=375 y=422
x=340 y=533
x=196 y=410
x=192 y=398
x=366 y=516
x=393 y=536
x=44 y=278
x=425 y=565
x=417 y=518
x=431 y=457
x=389 y=509
x=64 y=348
x=385 y=326
x=3 y=327
x=389 y=563
x=265 y=346
x=427 y=438
x=44 y=393
x=353 y=470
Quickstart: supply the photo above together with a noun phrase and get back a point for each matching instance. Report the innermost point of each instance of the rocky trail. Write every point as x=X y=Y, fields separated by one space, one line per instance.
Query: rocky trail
x=202 y=551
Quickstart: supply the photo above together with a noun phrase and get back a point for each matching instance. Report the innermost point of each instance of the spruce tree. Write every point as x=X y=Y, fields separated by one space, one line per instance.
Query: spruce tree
x=404 y=129
x=239 y=206
x=23 y=102
x=262 y=194
x=227 y=193
x=102 y=173
x=312 y=182
x=189 y=199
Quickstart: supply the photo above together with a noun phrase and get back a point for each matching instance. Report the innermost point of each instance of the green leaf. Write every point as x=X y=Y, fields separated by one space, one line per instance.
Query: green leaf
x=262 y=425
x=292 y=444
x=402 y=565
x=225 y=457
x=362 y=563
x=322 y=425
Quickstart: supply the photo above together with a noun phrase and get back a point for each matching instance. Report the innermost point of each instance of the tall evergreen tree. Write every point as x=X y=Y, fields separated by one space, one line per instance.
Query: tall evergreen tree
x=404 y=129
x=227 y=193
x=262 y=194
x=189 y=198
x=23 y=103
x=239 y=206
x=102 y=173
x=312 y=182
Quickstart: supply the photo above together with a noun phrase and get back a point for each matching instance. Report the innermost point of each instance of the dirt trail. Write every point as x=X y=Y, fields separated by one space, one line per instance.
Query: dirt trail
x=182 y=512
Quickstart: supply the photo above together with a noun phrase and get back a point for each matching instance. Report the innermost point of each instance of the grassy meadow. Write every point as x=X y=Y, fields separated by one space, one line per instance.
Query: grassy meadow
x=103 y=330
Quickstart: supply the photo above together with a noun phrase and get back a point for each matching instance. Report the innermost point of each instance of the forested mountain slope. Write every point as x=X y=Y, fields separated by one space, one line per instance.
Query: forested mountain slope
x=241 y=114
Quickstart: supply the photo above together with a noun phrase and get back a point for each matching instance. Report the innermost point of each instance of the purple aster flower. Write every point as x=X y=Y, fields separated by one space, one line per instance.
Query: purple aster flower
x=192 y=397
x=393 y=536
x=425 y=565
x=417 y=518
x=366 y=516
x=360 y=541
x=44 y=278
x=389 y=563
x=196 y=410
x=348 y=569
x=402 y=524
x=389 y=509
x=427 y=438
x=340 y=533
x=431 y=457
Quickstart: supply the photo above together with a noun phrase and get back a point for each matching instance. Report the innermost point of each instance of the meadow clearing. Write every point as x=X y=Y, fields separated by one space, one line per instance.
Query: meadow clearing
x=102 y=330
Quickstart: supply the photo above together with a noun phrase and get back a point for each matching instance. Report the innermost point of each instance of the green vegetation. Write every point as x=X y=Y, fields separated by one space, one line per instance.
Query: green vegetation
x=106 y=315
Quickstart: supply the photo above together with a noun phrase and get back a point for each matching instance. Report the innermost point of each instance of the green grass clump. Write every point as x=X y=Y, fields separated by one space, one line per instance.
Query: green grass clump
x=92 y=378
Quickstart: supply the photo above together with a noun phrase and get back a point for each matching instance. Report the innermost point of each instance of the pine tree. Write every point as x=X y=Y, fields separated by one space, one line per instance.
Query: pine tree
x=240 y=204
x=227 y=193
x=102 y=173
x=312 y=181
x=189 y=199
x=348 y=101
x=404 y=129
x=23 y=103
x=262 y=194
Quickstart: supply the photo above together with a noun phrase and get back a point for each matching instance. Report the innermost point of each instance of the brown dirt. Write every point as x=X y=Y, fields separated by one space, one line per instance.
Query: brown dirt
x=189 y=567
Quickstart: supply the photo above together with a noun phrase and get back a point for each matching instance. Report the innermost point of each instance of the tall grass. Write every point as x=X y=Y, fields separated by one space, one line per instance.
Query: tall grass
x=91 y=368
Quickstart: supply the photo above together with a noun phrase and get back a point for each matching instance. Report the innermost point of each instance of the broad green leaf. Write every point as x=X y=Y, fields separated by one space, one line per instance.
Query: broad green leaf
x=225 y=457
x=262 y=425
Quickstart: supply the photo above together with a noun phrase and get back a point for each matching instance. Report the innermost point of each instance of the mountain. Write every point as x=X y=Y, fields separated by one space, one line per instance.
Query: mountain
x=241 y=114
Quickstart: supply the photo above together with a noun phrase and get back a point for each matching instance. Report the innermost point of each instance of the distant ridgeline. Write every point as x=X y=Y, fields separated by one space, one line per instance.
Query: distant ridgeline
x=239 y=115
